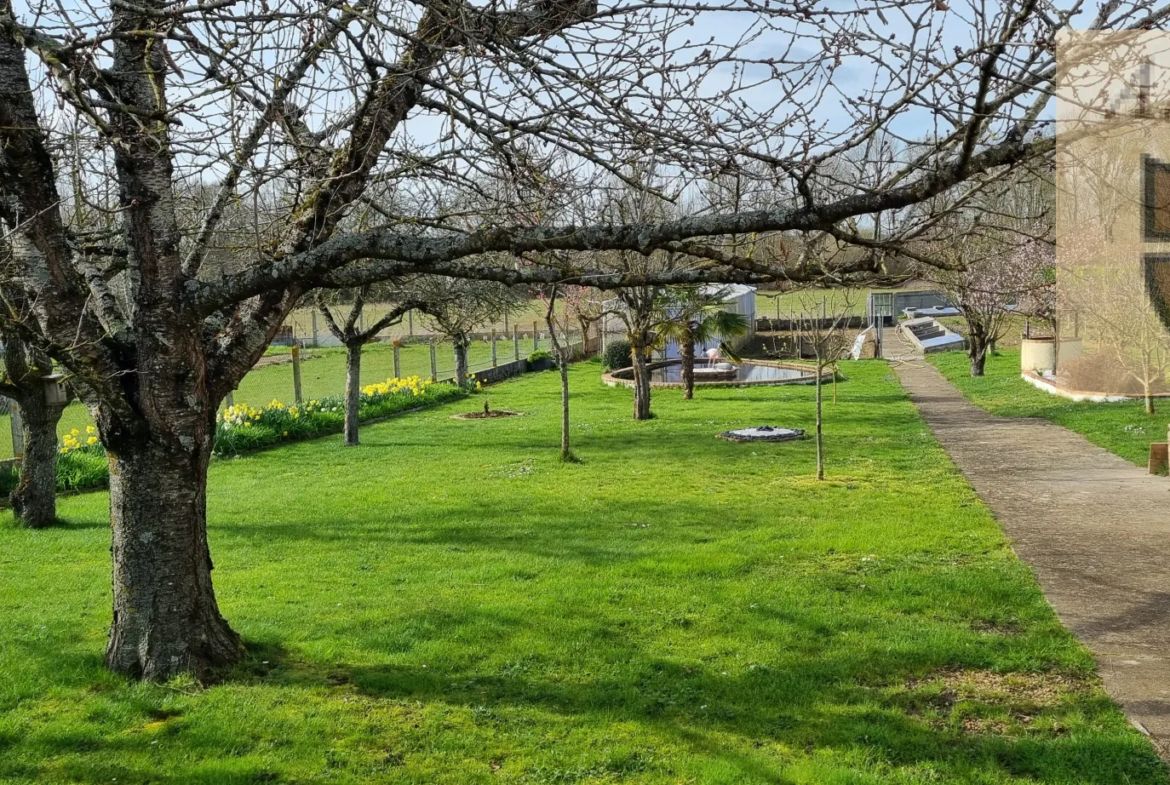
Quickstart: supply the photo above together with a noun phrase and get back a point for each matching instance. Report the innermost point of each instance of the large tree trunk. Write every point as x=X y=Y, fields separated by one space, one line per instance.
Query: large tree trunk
x=461 y=344
x=688 y=365
x=353 y=392
x=641 y=385
x=34 y=501
x=166 y=620
x=977 y=351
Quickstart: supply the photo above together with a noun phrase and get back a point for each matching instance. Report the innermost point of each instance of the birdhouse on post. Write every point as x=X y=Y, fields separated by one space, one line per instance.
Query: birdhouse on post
x=55 y=392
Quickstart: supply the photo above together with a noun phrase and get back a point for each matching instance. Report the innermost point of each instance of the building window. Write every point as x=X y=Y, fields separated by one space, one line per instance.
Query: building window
x=1156 y=181
x=1156 y=269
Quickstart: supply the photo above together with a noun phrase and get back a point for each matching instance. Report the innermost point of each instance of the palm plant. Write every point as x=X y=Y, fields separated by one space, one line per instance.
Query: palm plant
x=697 y=315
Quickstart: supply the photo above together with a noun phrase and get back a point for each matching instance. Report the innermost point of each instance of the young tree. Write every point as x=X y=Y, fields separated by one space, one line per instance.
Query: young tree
x=303 y=113
x=34 y=500
x=561 y=352
x=696 y=315
x=1122 y=320
x=821 y=327
x=345 y=322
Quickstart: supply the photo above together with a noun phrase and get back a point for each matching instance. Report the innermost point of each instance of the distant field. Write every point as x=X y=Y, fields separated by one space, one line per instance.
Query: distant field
x=417 y=324
x=784 y=304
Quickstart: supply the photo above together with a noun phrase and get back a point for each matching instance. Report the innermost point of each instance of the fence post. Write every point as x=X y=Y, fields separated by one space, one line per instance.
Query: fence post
x=495 y=359
x=434 y=364
x=410 y=323
x=516 y=341
x=230 y=400
x=535 y=340
x=397 y=366
x=315 y=343
x=17 y=431
x=296 y=364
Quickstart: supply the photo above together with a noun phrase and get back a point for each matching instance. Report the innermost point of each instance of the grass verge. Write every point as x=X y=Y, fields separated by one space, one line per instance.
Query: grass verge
x=1122 y=428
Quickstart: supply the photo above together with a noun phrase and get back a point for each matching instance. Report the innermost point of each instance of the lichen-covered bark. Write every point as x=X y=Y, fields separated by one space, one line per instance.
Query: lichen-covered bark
x=34 y=500
x=461 y=343
x=353 y=392
x=166 y=619
x=641 y=384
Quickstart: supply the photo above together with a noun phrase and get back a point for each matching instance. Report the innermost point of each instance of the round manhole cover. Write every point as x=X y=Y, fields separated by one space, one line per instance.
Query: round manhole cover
x=762 y=433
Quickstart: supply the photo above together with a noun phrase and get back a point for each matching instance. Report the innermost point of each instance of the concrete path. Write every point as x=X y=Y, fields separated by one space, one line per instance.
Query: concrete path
x=1093 y=527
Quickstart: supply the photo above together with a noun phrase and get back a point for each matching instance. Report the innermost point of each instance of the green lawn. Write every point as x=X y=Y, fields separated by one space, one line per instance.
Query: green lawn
x=1123 y=428
x=449 y=604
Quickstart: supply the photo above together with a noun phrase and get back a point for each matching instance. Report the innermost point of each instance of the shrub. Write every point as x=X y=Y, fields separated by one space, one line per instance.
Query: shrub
x=617 y=354
x=538 y=355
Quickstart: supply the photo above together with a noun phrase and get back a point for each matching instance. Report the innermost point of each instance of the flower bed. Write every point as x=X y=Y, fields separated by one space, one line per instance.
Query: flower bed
x=82 y=464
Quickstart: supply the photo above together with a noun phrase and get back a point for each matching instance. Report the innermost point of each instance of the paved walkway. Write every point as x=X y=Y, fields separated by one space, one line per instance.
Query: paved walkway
x=1093 y=527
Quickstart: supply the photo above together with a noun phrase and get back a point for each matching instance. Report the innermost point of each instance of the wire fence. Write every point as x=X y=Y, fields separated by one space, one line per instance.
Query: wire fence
x=322 y=371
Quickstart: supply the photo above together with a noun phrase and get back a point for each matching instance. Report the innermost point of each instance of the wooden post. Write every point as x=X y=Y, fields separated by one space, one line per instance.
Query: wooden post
x=397 y=364
x=516 y=341
x=17 y=430
x=230 y=400
x=535 y=340
x=296 y=364
x=505 y=322
x=434 y=364
x=410 y=323
x=495 y=359
x=315 y=343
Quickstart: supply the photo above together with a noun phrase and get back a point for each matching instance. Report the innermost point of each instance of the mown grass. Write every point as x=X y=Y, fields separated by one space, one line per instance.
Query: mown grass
x=1122 y=427
x=448 y=603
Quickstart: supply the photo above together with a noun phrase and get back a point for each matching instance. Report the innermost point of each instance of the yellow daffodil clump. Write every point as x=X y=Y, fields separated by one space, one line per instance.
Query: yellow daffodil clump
x=415 y=385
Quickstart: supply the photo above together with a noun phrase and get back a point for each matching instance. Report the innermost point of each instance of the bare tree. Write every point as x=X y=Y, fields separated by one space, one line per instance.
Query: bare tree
x=561 y=352
x=1122 y=321
x=821 y=328
x=26 y=369
x=350 y=329
x=284 y=121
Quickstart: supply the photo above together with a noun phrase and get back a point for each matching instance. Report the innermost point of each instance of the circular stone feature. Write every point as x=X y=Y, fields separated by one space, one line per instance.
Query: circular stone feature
x=762 y=433
x=488 y=415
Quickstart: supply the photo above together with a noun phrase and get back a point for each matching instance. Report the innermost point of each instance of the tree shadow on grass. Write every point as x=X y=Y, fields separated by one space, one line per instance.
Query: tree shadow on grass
x=819 y=704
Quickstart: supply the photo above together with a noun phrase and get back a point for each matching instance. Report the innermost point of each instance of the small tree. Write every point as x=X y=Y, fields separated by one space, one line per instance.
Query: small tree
x=584 y=304
x=696 y=315
x=455 y=307
x=345 y=322
x=988 y=280
x=1122 y=320
x=561 y=352
x=821 y=327
x=34 y=500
